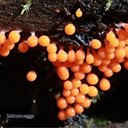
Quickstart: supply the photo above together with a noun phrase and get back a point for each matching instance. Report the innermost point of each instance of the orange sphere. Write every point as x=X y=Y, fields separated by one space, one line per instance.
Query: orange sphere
x=86 y=68
x=110 y=35
x=52 y=57
x=8 y=45
x=76 y=83
x=68 y=85
x=31 y=76
x=66 y=93
x=44 y=40
x=71 y=55
x=14 y=36
x=89 y=58
x=52 y=48
x=92 y=78
x=120 y=53
x=108 y=72
x=70 y=99
x=79 y=75
x=32 y=41
x=84 y=89
x=104 y=84
x=70 y=29
x=70 y=111
x=74 y=92
x=62 y=56
x=4 y=52
x=80 y=55
x=23 y=47
x=78 y=108
x=86 y=103
x=75 y=68
x=63 y=73
x=80 y=98
x=62 y=115
x=96 y=44
x=79 y=13
x=61 y=103
x=93 y=91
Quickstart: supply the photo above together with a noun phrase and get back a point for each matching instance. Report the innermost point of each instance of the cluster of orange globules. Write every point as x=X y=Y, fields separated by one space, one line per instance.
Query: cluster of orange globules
x=78 y=90
x=75 y=67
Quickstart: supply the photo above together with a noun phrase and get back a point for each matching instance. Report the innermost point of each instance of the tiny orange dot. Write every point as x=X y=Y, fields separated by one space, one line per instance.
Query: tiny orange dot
x=32 y=41
x=78 y=108
x=23 y=47
x=96 y=44
x=62 y=115
x=104 y=84
x=92 y=78
x=14 y=36
x=70 y=29
x=79 y=13
x=44 y=40
x=31 y=76
x=61 y=103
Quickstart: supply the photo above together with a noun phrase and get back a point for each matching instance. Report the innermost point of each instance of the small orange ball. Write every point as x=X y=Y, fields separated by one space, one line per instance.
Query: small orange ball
x=68 y=85
x=86 y=103
x=4 y=52
x=79 y=13
x=114 y=42
x=62 y=115
x=71 y=55
x=86 y=68
x=52 y=57
x=78 y=108
x=104 y=84
x=23 y=47
x=62 y=56
x=44 y=40
x=120 y=53
x=96 y=44
x=75 y=68
x=52 y=48
x=31 y=76
x=80 y=55
x=63 y=73
x=93 y=91
x=89 y=58
x=92 y=79
x=61 y=103
x=70 y=111
x=80 y=98
x=14 y=36
x=74 y=92
x=8 y=45
x=108 y=72
x=84 y=89
x=32 y=41
x=110 y=35
x=70 y=29
x=79 y=75
x=70 y=99
x=76 y=83
x=66 y=93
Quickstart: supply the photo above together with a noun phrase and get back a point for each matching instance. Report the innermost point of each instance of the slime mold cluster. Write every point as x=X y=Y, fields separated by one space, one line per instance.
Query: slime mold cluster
x=84 y=60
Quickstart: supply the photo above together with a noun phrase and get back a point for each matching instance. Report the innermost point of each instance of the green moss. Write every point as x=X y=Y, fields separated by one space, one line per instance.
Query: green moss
x=26 y=6
x=108 y=5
